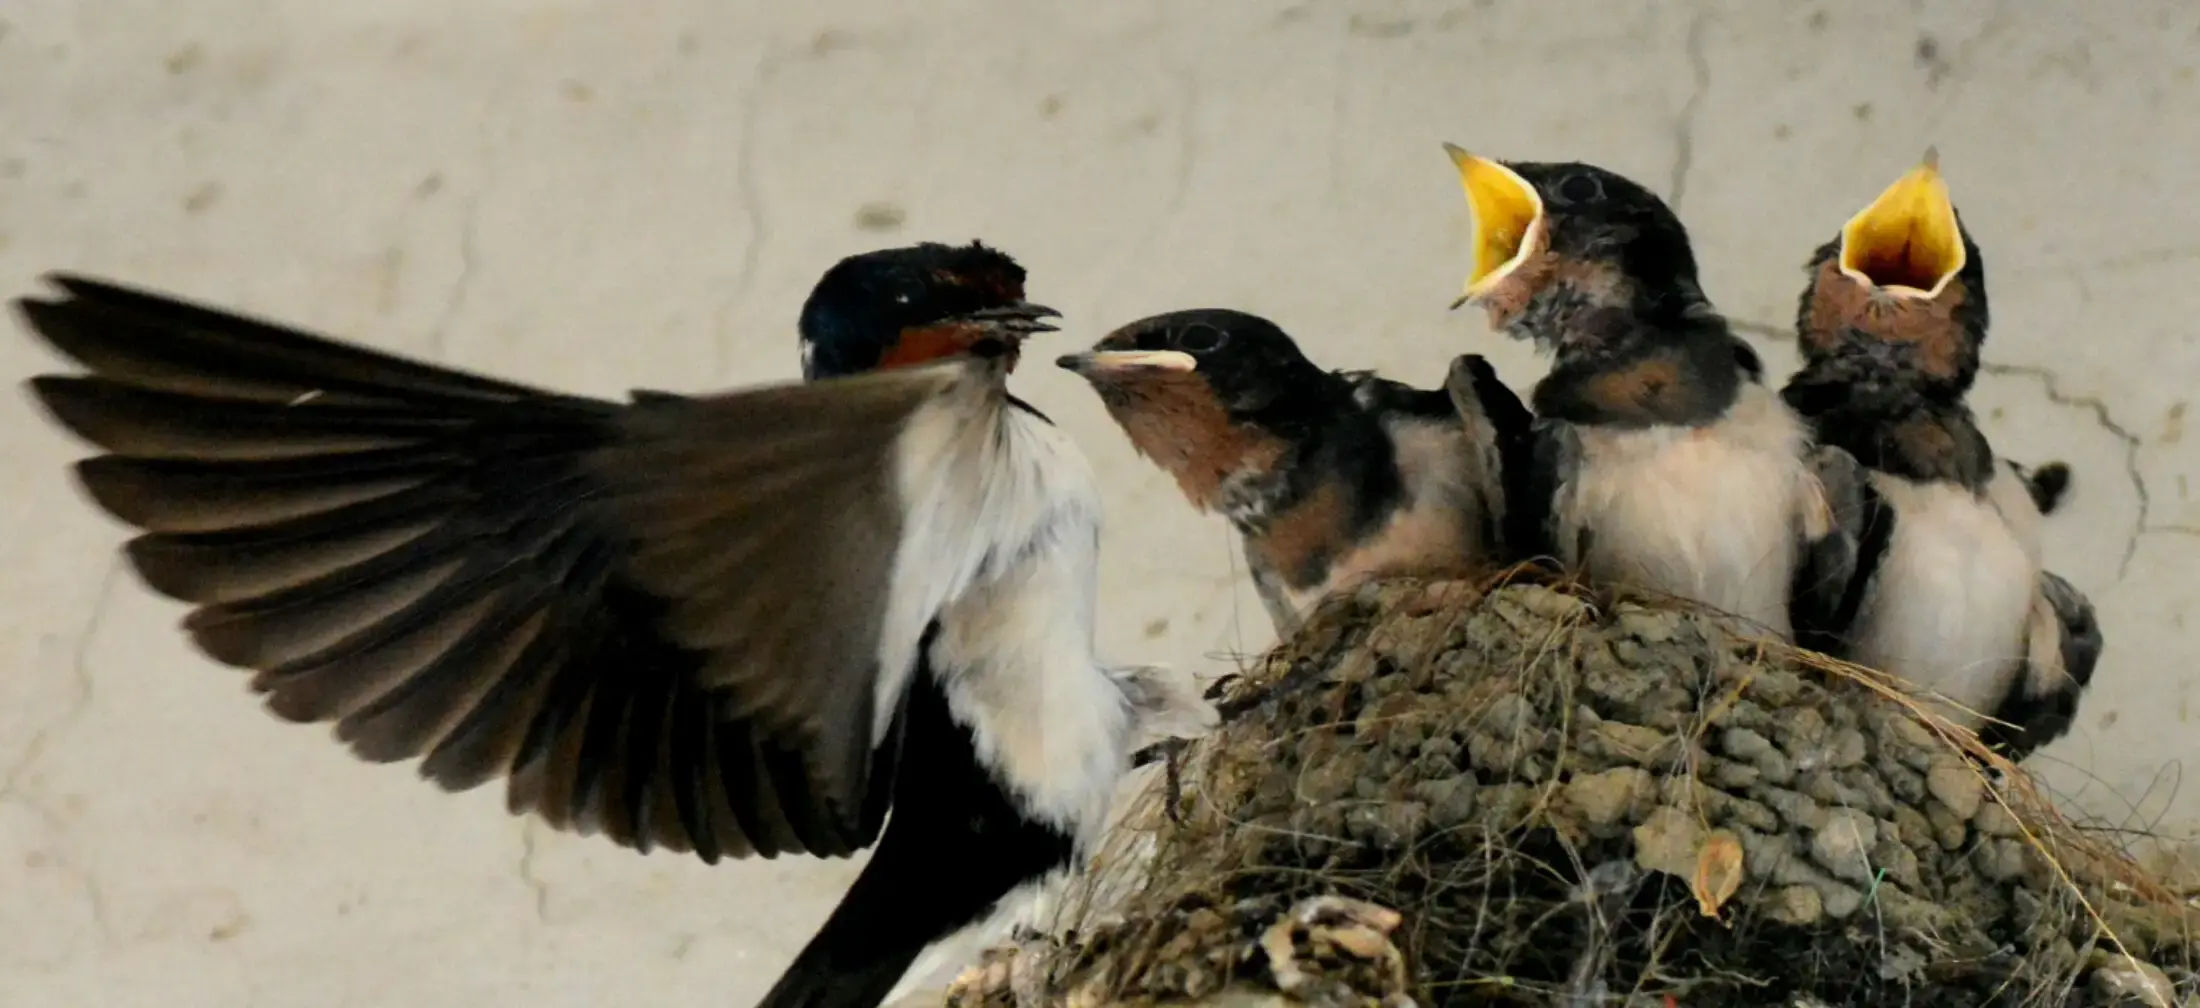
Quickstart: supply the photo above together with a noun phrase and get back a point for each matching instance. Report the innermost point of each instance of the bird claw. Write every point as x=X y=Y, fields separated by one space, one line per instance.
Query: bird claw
x=1307 y=944
x=1168 y=704
x=1010 y=975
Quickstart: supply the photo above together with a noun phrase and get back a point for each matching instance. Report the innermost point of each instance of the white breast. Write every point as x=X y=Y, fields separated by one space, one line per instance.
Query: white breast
x=1015 y=650
x=1708 y=513
x=2009 y=496
x=1946 y=609
x=1438 y=529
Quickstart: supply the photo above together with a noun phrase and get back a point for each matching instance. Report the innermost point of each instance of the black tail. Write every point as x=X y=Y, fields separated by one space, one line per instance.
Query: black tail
x=824 y=977
x=2047 y=484
x=954 y=846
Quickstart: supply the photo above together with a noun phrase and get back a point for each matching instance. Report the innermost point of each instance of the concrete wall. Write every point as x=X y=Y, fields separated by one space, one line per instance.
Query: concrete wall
x=596 y=195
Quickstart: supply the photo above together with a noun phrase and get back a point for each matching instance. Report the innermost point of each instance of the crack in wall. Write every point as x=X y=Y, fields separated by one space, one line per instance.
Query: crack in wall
x=14 y=785
x=752 y=206
x=80 y=671
x=2050 y=383
x=469 y=237
x=534 y=882
x=1684 y=131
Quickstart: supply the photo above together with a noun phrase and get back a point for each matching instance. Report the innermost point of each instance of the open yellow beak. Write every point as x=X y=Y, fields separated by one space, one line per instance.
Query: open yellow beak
x=1907 y=242
x=1508 y=219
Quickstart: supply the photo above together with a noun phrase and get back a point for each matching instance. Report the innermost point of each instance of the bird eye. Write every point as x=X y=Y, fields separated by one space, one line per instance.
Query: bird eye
x=1579 y=188
x=1200 y=338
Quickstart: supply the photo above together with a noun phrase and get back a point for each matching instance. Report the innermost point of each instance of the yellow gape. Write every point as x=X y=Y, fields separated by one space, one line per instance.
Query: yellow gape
x=1508 y=220
x=1907 y=242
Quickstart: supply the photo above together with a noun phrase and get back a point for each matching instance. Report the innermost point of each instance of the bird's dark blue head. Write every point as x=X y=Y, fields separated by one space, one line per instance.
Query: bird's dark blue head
x=918 y=303
x=1565 y=250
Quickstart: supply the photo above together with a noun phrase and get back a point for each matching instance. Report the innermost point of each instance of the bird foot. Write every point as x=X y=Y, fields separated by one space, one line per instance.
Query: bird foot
x=1010 y=975
x=1333 y=950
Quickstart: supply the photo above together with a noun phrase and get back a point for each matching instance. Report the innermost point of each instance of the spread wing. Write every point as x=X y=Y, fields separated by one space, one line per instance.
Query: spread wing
x=660 y=620
x=1844 y=529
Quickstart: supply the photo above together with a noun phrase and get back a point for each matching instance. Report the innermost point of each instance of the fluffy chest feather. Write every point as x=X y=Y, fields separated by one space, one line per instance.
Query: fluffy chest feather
x=1436 y=528
x=1015 y=648
x=1709 y=513
x=1947 y=606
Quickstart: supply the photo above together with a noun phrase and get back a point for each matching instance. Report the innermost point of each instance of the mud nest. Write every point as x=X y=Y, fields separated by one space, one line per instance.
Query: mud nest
x=1440 y=794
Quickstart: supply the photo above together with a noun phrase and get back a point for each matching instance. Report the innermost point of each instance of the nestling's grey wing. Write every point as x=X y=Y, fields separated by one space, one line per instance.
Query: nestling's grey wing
x=466 y=570
x=2062 y=647
x=1501 y=430
x=2081 y=641
x=1843 y=536
x=1533 y=516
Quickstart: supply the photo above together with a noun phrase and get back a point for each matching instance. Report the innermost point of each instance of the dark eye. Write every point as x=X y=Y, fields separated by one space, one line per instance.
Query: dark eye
x=1579 y=188
x=1200 y=338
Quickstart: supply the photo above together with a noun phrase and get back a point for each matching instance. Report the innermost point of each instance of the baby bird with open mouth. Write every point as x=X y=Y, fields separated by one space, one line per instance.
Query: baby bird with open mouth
x=1660 y=458
x=1945 y=586
x=1331 y=479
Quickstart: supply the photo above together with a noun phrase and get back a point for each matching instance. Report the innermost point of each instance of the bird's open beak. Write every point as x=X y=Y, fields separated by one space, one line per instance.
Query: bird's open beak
x=1018 y=320
x=1907 y=242
x=1112 y=363
x=1508 y=220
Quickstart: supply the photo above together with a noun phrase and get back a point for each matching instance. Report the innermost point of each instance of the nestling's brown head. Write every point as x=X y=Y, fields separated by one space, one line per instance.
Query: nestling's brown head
x=1571 y=255
x=1896 y=303
x=1210 y=395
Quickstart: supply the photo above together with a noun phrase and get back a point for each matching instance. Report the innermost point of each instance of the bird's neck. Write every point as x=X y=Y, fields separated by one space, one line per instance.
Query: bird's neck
x=1893 y=427
x=1637 y=372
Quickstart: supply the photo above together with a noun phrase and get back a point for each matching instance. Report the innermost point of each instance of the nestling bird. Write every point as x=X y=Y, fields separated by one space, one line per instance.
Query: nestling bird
x=741 y=624
x=1331 y=479
x=1946 y=588
x=1660 y=458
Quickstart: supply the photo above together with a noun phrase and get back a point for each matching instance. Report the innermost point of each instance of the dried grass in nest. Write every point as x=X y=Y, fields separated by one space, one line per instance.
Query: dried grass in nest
x=1571 y=799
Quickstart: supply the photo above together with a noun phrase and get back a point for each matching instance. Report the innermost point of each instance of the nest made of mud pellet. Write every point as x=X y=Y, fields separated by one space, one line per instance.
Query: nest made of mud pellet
x=1578 y=801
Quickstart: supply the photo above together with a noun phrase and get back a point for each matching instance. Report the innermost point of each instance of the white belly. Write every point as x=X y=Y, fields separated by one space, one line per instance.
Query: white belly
x=1708 y=513
x=1947 y=608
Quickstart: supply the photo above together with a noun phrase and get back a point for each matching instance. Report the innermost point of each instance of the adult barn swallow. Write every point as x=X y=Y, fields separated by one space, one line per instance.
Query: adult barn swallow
x=1947 y=589
x=1330 y=480
x=1660 y=458
x=742 y=624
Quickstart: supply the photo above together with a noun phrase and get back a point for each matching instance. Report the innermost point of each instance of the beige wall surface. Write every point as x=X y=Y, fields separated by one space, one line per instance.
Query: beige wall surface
x=601 y=194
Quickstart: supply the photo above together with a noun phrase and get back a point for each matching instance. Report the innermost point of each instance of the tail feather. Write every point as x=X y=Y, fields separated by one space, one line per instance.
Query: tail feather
x=2064 y=646
x=816 y=980
x=152 y=341
x=2048 y=484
